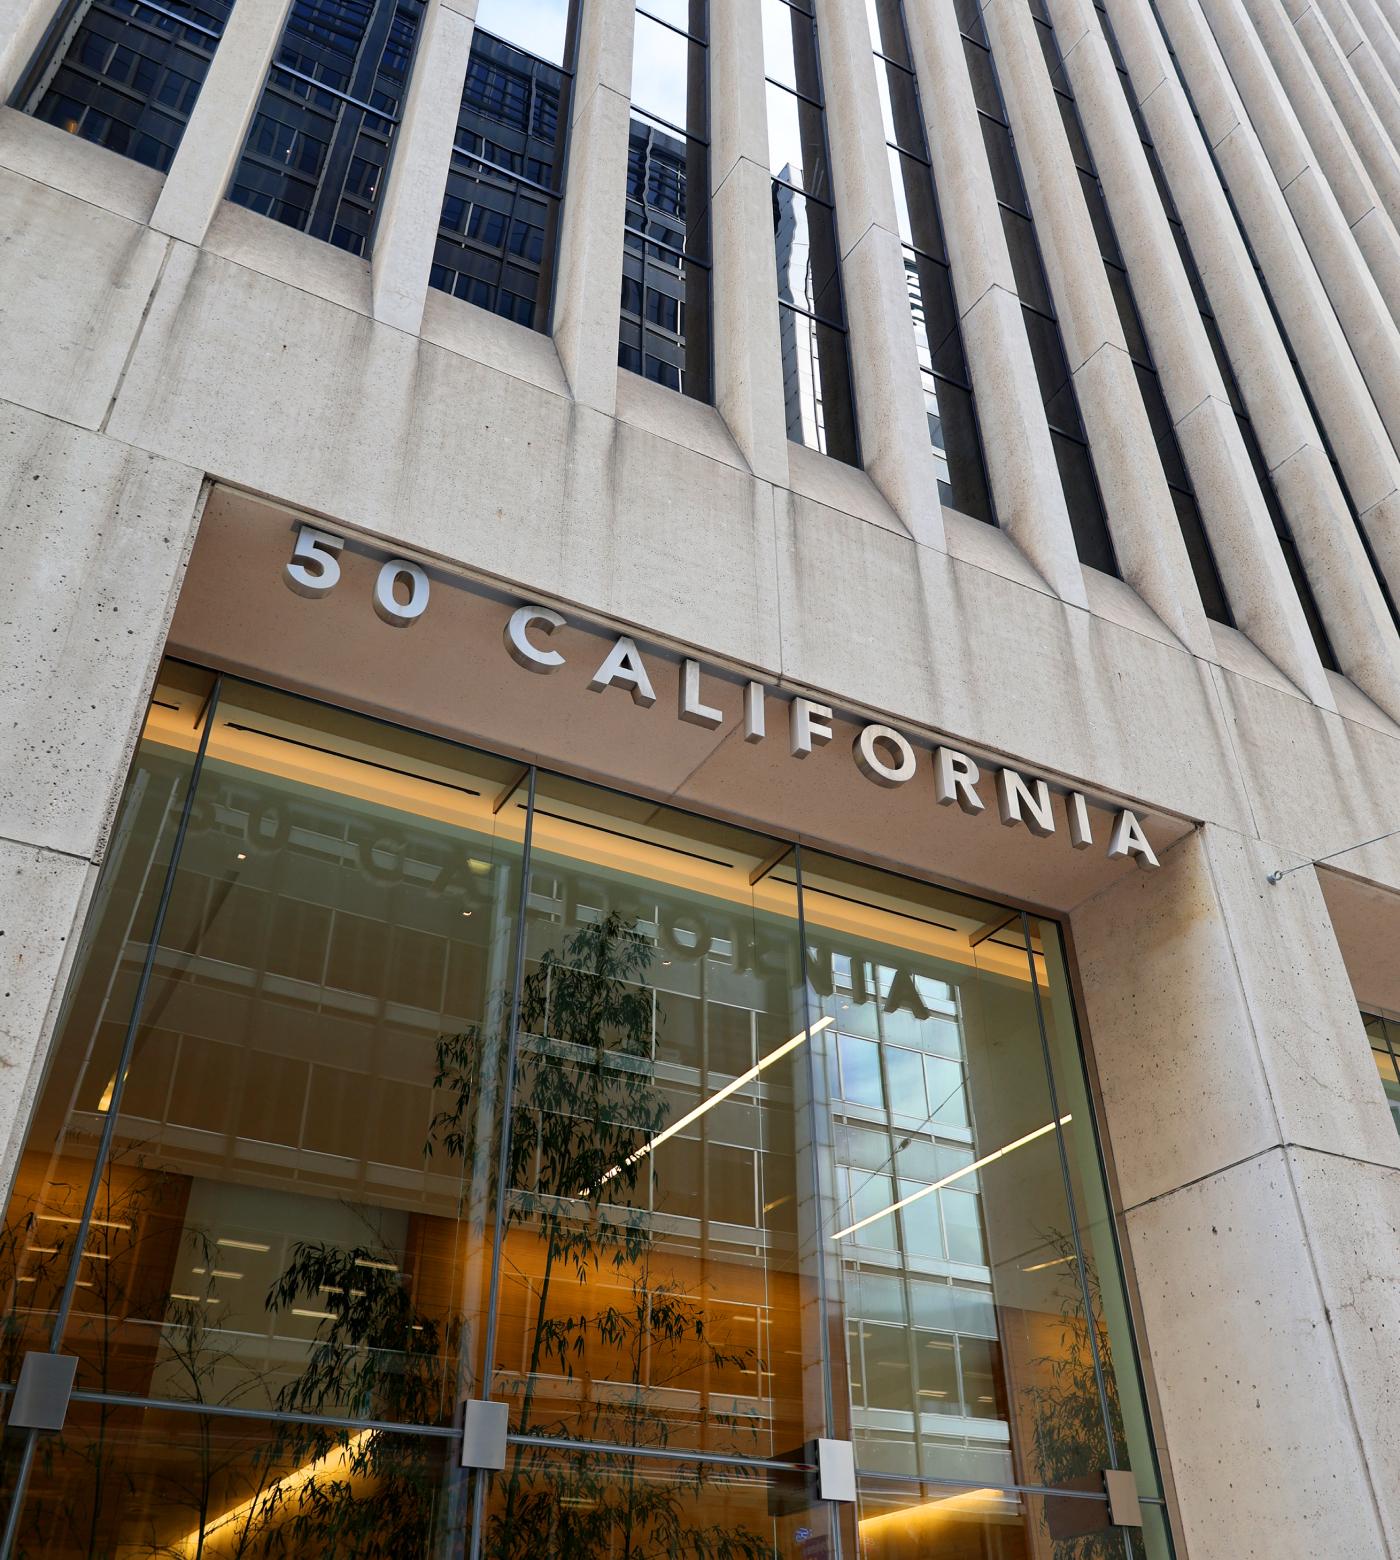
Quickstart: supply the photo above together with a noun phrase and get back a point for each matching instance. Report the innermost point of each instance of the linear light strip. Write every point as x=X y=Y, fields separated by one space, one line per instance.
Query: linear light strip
x=957 y=1175
x=732 y=1087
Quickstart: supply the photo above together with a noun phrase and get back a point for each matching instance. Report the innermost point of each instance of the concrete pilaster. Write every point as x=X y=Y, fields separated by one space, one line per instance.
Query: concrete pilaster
x=22 y=24
x=1355 y=110
x=1247 y=552
x=1146 y=534
x=1362 y=634
x=1016 y=443
x=1345 y=405
x=1322 y=135
x=1269 y=168
x=589 y=288
x=411 y=207
x=1373 y=50
x=1259 y=1180
x=213 y=139
x=884 y=354
x=94 y=533
x=747 y=347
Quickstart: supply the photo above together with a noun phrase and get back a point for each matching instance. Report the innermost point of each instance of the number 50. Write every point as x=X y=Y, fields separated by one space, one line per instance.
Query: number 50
x=313 y=571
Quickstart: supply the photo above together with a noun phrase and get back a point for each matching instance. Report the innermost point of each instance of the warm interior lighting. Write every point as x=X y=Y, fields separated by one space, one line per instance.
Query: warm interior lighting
x=335 y=1464
x=929 y=1515
x=379 y=1267
x=241 y=1245
x=1053 y=1262
x=947 y=1180
x=61 y=1218
x=716 y=1098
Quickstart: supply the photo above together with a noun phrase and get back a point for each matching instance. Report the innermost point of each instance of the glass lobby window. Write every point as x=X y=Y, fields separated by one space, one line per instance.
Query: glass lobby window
x=658 y=1281
x=1384 y=1035
x=129 y=74
x=948 y=400
x=319 y=144
x=393 y=1074
x=811 y=311
x=299 y=1100
x=500 y=212
x=1072 y=455
x=1193 y=531
x=664 y=332
x=979 y=1344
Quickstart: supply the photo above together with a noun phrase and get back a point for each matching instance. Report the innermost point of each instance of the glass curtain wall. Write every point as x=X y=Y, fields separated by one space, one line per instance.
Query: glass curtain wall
x=664 y=332
x=1384 y=1035
x=499 y=230
x=393 y=1074
x=1072 y=454
x=1188 y=514
x=948 y=400
x=811 y=310
x=319 y=145
x=126 y=74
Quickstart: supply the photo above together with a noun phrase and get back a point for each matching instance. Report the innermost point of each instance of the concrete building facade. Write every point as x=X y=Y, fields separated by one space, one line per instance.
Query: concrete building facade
x=988 y=553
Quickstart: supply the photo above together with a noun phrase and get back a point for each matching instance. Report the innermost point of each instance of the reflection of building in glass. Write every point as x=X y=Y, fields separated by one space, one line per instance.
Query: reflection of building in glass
x=321 y=136
x=653 y=334
x=495 y=244
x=797 y=331
x=697 y=1142
x=131 y=75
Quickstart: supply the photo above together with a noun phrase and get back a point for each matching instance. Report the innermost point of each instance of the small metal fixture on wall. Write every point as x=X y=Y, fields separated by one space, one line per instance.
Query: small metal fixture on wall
x=1279 y=873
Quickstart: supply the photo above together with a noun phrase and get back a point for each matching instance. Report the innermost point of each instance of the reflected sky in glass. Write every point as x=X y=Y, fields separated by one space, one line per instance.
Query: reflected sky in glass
x=660 y=71
x=778 y=59
x=538 y=26
x=677 y=12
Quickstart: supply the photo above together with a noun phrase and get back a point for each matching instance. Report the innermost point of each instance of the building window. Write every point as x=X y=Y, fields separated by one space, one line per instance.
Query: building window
x=664 y=332
x=130 y=74
x=1384 y=1035
x=392 y=1074
x=319 y=145
x=1072 y=454
x=811 y=310
x=948 y=400
x=499 y=231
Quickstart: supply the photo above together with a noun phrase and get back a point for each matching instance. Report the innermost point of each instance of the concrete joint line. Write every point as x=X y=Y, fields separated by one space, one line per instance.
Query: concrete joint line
x=139 y=332
x=1306 y=168
x=730 y=173
x=1361 y=514
x=990 y=288
x=1343 y=1376
x=1354 y=225
x=872 y=227
x=1103 y=346
x=1283 y=1147
x=1152 y=92
x=1186 y=416
x=1293 y=455
x=1065 y=53
x=54 y=850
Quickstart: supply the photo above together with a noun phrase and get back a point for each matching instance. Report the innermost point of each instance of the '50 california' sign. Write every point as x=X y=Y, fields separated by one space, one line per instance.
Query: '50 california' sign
x=883 y=755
